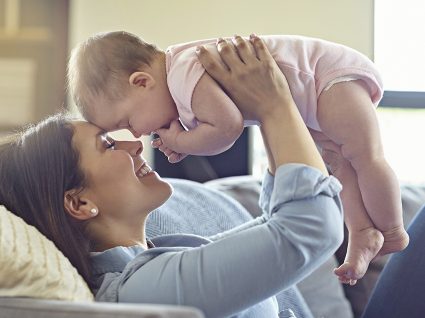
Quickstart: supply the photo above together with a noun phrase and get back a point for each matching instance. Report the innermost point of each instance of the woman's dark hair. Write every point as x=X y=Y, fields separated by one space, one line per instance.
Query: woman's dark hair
x=37 y=166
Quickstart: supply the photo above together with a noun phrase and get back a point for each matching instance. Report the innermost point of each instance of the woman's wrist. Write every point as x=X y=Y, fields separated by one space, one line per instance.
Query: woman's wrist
x=282 y=114
x=289 y=140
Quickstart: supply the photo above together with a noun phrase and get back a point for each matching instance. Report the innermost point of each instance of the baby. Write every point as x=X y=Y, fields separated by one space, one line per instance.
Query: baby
x=118 y=81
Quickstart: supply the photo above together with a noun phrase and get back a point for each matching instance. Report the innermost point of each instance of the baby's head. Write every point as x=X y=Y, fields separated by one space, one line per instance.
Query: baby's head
x=116 y=79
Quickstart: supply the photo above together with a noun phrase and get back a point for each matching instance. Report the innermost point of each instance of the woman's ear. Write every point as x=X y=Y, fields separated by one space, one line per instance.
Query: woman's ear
x=141 y=79
x=79 y=207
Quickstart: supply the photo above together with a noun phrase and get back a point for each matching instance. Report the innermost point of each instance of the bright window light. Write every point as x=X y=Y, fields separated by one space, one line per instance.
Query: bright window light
x=399 y=44
x=402 y=132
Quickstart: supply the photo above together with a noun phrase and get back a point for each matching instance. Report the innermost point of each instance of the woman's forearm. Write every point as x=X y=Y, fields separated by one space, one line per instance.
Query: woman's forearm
x=287 y=139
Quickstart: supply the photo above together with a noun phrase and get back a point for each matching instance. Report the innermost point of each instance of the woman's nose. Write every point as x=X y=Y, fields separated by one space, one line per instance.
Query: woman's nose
x=134 y=148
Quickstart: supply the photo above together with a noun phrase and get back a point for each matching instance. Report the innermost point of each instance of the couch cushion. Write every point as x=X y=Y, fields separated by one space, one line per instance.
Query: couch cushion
x=324 y=293
x=195 y=209
x=244 y=189
x=32 y=266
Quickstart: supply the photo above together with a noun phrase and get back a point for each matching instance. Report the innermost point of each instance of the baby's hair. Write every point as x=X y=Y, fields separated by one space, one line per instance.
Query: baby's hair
x=102 y=64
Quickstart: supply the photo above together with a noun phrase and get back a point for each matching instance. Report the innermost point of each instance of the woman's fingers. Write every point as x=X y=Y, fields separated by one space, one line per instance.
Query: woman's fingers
x=213 y=67
x=228 y=53
x=251 y=82
x=260 y=48
x=233 y=56
x=245 y=49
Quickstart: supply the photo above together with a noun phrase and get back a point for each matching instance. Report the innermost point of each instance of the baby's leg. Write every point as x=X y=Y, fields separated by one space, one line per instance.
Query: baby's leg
x=347 y=116
x=364 y=239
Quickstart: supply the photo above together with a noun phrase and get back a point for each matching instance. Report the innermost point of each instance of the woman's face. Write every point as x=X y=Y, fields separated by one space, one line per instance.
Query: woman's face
x=119 y=181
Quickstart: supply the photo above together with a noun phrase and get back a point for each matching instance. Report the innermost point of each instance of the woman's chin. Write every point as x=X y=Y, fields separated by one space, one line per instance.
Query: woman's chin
x=166 y=184
x=164 y=190
x=170 y=190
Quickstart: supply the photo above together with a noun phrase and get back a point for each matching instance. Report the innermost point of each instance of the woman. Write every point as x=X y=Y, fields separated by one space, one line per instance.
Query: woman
x=91 y=195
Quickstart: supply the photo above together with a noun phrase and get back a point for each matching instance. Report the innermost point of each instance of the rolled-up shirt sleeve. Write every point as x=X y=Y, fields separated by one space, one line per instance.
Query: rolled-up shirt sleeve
x=301 y=228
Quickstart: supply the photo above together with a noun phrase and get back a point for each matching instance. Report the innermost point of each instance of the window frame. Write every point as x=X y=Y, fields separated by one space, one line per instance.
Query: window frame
x=403 y=99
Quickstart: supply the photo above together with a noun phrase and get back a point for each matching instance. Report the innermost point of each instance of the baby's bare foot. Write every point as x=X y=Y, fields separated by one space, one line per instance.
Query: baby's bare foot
x=363 y=246
x=395 y=240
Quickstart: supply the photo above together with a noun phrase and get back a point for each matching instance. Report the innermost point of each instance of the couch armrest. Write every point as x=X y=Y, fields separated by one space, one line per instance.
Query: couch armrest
x=38 y=308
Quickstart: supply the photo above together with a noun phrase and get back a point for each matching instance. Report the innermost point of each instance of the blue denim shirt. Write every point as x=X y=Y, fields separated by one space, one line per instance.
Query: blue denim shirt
x=235 y=273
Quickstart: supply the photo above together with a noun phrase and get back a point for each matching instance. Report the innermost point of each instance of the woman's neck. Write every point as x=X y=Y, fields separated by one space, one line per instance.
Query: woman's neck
x=110 y=234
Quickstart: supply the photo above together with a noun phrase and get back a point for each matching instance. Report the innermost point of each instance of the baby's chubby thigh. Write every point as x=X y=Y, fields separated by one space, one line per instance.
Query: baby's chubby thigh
x=347 y=117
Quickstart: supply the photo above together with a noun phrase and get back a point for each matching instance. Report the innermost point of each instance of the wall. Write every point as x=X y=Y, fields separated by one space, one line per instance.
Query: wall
x=166 y=22
x=33 y=47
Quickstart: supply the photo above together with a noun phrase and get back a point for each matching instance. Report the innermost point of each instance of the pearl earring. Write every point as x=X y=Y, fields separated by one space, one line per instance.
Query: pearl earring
x=93 y=211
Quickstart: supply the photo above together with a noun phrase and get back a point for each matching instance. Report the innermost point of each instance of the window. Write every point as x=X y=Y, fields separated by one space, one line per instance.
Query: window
x=403 y=132
x=399 y=51
x=399 y=44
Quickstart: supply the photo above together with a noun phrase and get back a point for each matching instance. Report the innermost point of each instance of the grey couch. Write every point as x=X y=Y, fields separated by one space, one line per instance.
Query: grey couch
x=205 y=210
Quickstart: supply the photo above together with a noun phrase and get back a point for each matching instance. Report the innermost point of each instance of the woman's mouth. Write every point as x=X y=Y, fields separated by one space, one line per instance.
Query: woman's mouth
x=143 y=170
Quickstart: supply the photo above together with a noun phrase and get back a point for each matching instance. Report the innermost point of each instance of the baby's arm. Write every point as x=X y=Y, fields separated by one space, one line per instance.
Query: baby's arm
x=220 y=123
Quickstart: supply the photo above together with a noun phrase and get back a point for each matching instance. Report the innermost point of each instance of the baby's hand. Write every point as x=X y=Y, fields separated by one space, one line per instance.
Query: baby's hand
x=167 y=141
x=173 y=157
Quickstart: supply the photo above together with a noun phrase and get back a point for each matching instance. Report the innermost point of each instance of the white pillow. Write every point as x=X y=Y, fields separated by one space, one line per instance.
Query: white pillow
x=32 y=266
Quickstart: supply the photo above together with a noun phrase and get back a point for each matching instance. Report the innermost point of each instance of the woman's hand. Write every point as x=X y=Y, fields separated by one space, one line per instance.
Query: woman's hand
x=252 y=79
x=249 y=63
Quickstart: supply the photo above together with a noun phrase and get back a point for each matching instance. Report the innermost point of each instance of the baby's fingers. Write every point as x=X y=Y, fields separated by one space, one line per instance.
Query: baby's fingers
x=175 y=157
x=156 y=143
x=166 y=151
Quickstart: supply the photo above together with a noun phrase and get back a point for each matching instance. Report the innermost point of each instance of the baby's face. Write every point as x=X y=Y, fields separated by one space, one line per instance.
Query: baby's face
x=139 y=112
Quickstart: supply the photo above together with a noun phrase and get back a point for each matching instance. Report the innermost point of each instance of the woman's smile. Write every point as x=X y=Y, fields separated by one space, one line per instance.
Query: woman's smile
x=143 y=170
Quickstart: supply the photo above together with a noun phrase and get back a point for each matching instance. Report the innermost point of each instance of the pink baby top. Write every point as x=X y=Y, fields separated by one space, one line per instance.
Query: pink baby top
x=310 y=66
